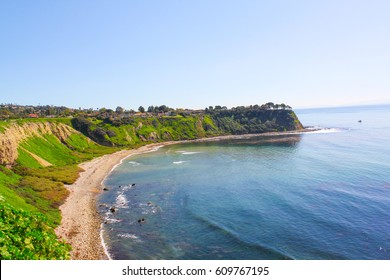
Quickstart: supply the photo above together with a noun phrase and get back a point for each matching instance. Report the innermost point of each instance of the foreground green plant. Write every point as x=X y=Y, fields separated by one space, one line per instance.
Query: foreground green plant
x=26 y=236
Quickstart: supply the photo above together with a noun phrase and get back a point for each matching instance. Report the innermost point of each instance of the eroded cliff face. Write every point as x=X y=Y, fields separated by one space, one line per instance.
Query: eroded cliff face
x=14 y=134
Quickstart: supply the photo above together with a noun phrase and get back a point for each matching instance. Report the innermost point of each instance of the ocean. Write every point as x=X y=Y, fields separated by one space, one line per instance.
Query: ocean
x=323 y=194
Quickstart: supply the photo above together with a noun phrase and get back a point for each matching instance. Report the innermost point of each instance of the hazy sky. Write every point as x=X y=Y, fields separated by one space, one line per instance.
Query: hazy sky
x=194 y=53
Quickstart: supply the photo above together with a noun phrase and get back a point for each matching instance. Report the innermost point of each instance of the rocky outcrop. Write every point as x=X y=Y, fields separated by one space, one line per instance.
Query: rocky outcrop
x=15 y=133
x=140 y=125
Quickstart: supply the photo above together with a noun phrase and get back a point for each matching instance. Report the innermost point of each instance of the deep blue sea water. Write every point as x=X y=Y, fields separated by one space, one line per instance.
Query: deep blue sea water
x=318 y=195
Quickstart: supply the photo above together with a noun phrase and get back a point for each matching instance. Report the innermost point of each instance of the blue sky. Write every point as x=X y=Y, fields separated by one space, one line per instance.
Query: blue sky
x=191 y=54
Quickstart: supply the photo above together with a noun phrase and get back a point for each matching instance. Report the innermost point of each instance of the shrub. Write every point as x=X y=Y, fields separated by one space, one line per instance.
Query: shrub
x=65 y=174
x=26 y=236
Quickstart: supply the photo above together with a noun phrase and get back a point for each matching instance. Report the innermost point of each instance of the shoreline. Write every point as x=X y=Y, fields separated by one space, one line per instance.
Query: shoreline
x=81 y=224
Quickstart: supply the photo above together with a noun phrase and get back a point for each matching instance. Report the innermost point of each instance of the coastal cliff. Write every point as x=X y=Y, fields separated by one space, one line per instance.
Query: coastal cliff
x=139 y=130
x=14 y=134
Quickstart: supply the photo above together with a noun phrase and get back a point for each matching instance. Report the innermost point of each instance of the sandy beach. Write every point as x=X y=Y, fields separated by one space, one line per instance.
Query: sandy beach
x=81 y=222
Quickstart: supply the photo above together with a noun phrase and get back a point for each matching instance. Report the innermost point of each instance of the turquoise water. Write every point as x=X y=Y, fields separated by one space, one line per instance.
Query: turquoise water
x=317 y=195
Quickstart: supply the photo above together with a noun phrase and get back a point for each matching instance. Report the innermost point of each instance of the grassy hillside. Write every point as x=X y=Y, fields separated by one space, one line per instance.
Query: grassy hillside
x=41 y=158
x=7 y=194
x=26 y=233
x=136 y=131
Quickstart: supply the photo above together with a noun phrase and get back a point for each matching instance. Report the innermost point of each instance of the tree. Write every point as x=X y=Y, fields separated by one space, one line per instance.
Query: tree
x=141 y=109
x=151 y=109
x=163 y=108
x=270 y=105
x=119 y=110
x=5 y=113
x=66 y=112
x=50 y=111
x=263 y=107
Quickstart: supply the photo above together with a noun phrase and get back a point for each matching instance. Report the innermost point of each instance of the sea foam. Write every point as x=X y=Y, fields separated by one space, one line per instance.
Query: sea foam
x=129 y=236
x=187 y=153
x=134 y=163
x=121 y=201
x=323 y=130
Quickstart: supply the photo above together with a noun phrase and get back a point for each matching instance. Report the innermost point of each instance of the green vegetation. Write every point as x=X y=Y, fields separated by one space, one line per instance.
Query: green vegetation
x=43 y=187
x=85 y=149
x=21 y=121
x=209 y=125
x=64 y=174
x=244 y=120
x=29 y=190
x=138 y=130
x=43 y=194
x=49 y=148
x=78 y=142
x=25 y=159
x=8 y=195
x=3 y=125
x=25 y=233
x=39 y=189
x=26 y=236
